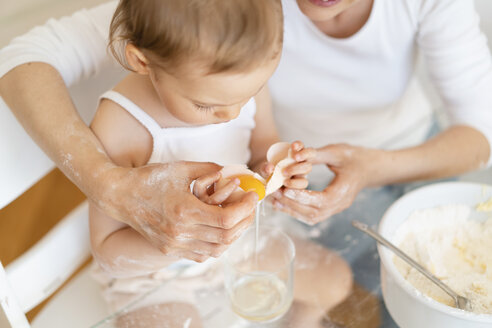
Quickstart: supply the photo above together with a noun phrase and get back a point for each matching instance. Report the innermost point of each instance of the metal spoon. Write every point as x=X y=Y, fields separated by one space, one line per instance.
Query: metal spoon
x=460 y=302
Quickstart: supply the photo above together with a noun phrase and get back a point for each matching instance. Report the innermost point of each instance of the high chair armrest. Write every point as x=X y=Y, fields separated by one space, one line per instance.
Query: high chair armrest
x=9 y=303
x=41 y=270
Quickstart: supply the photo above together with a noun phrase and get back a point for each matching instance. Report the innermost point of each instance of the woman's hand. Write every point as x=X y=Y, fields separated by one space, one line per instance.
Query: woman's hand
x=295 y=173
x=354 y=168
x=204 y=189
x=447 y=154
x=298 y=171
x=156 y=201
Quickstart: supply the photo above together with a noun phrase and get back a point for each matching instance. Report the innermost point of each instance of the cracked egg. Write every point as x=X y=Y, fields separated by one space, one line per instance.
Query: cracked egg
x=278 y=154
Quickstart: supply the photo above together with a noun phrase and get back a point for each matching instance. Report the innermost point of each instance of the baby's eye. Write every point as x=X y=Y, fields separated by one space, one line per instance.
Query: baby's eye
x=205 y=108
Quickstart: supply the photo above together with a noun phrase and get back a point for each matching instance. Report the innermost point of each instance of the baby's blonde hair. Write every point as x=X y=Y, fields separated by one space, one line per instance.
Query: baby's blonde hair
x=221 y=35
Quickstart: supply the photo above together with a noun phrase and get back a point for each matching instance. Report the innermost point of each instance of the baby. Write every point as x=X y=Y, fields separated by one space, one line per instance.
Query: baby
x=196 y=92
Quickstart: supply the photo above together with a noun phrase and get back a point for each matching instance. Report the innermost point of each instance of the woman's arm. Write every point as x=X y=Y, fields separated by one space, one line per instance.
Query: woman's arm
x=76 y=45
x=41 y=102
x=460 y=66
x=34 y=69
x=459 y=63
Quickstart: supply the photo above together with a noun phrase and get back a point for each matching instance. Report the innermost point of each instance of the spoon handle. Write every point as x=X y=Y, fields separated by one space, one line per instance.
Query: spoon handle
x=364 y=228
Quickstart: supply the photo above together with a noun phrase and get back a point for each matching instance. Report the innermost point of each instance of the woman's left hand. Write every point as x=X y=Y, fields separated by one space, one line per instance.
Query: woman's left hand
x=296 y=173
x=355 y=168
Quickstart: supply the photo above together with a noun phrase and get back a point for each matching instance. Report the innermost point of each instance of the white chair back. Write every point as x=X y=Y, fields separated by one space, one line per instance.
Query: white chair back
x=40 y=271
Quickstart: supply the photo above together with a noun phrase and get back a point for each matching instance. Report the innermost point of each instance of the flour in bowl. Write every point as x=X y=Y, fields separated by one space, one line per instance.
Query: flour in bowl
x=454 y=248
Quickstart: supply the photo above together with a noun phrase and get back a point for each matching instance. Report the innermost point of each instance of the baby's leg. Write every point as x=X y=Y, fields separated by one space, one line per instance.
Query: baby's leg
x=167 y=315
x=322 y=280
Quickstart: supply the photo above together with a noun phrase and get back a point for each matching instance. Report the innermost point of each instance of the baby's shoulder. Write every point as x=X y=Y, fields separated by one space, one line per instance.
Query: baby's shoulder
x=138 y=89
x=124 y=138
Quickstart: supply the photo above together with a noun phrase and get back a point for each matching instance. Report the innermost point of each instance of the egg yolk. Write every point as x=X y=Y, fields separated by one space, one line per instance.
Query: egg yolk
x=250 y=183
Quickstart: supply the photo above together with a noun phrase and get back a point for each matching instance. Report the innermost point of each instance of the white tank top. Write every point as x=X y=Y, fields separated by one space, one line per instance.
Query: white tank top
x=223 y=143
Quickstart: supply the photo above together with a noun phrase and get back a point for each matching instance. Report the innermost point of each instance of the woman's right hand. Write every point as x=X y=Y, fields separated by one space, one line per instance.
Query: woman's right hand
x=355 y=168
x=156 y=201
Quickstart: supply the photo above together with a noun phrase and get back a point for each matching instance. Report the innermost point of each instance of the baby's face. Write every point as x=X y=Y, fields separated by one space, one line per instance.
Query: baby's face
x=199 y=99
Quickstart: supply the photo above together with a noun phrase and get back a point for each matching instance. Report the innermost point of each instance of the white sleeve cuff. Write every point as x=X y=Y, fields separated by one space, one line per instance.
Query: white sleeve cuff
x=74 y=45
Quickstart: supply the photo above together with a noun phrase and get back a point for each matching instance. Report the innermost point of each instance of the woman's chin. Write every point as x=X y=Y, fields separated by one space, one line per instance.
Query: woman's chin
x=319 y=10
x=325 y=3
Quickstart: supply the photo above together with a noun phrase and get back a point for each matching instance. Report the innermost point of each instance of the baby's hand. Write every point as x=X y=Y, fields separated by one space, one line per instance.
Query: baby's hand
x=203 y=189
x=296 y=173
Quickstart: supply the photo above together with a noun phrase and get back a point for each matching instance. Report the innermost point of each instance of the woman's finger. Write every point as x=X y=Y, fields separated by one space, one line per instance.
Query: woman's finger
x=297 y=146
x=297 y=169
x=221 y=195
x=306 y=154
x=330 y=155
x=218 y=235
x=304 y=213
x=202 y=184
x=187 y=254
x=226 y=217
x=296 y=183
x=266 y=170
x=280 y=207
x=203 y=248
x=339 y=199
x=343 y=188
x=312 y=198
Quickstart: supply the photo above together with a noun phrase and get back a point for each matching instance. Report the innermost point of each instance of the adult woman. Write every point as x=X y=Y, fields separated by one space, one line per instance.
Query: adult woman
x=365 y=47
x=346 y=76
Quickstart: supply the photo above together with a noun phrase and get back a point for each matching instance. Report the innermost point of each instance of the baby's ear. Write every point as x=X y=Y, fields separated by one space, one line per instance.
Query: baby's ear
x=136 y=59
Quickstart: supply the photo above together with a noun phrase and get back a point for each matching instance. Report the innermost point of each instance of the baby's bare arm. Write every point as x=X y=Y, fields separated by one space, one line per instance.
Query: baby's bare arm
x=265 y=133
x=119 y=248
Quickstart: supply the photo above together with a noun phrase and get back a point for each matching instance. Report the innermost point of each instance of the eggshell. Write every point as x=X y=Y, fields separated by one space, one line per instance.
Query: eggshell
x=279 y=154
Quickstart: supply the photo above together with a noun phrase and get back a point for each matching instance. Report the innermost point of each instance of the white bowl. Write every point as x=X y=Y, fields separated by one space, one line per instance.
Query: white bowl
x=408 y=307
